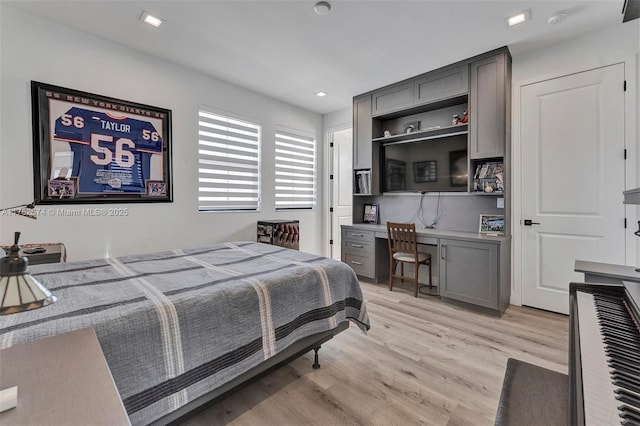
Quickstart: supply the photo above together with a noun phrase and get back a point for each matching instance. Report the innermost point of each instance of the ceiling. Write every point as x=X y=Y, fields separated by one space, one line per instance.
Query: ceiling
x=284 y=50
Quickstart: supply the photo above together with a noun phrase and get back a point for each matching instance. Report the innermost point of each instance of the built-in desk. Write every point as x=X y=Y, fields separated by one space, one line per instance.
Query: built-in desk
x=472 y=267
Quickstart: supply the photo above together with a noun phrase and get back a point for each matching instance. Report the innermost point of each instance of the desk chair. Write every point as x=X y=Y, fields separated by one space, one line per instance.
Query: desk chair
x=403 y=248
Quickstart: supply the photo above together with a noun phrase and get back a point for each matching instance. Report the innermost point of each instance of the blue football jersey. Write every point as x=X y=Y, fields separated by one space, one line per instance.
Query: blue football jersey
x=110 y=153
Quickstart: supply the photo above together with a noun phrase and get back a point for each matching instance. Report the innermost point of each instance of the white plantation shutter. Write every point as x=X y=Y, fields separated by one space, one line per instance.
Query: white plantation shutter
x=295 y=171
x=228 y=163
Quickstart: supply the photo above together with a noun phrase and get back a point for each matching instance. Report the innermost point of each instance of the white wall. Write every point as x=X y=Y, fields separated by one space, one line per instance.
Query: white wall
x=35 y=49
x=614 y=45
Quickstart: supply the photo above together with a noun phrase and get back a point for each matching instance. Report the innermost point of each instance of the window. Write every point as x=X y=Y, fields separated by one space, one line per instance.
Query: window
x=228 y=163
x=295 y=171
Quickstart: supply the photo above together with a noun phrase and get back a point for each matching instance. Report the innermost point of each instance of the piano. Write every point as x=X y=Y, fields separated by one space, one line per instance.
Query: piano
x=604 y=354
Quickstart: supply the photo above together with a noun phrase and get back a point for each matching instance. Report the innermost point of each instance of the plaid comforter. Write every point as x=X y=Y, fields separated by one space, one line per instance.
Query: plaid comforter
x=175 y=325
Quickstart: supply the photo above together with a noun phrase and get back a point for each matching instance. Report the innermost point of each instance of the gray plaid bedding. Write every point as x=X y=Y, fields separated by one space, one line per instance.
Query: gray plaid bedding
x=175 y=325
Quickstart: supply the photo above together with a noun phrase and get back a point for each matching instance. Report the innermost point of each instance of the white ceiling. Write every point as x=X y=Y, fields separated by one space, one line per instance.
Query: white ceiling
x=286 y=51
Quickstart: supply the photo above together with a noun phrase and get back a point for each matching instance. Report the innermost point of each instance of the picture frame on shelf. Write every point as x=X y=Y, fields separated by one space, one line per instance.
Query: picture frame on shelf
x=425 y=171
x=412 y=126
x=371 y=213
x=491 y=224
x=89 y=148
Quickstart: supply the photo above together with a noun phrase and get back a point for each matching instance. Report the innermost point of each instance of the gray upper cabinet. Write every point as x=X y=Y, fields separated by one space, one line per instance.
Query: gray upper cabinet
x=394 y=98
x=444 y=84
x=362 y=146
x=487 y=106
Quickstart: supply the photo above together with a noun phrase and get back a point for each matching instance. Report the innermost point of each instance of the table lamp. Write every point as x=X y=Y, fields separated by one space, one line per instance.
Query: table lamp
x=19 y=291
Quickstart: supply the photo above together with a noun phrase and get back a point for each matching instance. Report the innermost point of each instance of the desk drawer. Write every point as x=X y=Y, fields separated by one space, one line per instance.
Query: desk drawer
x=362 y=265
x=357 y=235
x=360 y=248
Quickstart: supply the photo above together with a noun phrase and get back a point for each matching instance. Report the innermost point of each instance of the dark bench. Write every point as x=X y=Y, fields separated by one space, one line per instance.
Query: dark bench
x=533 y=395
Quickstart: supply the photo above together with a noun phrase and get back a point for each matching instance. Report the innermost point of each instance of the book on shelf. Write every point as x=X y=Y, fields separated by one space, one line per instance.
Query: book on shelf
x=363 y=182
x=489 y=174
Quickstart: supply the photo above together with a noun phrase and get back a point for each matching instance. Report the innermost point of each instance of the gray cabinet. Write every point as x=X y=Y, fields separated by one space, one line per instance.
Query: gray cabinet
x=488 y=94
x=397 y=97
x=362 y=147
x=475 y=272
x=444 y=84
x=365 y=253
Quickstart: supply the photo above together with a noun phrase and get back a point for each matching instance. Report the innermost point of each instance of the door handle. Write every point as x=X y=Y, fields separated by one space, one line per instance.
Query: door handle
x=442 y=252
x=357 y=245
x=529 y=222
x=356 y=263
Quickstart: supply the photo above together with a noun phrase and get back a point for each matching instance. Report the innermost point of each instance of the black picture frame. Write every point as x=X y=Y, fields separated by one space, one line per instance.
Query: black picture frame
x=425 y=171
x=90 y=148
x=371 y=213
x=459 y=167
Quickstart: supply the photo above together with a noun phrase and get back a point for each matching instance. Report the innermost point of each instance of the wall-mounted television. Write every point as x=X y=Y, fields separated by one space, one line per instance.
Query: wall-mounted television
x=439 y=165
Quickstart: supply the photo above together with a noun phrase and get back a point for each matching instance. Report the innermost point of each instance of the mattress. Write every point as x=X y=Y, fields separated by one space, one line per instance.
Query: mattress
x=174 y=325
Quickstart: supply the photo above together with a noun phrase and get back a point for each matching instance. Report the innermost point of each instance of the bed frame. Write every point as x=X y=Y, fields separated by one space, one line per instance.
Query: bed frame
x=294 y=351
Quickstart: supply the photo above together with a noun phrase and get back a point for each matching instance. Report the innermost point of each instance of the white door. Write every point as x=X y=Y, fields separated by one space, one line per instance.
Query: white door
x=342 y=187
x=572 y=180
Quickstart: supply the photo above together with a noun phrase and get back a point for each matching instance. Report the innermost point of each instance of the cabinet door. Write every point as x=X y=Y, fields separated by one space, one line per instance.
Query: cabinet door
x=362 y=132
x=487 y=103
x=394 y=98
x=444 y=84
x=469 y=272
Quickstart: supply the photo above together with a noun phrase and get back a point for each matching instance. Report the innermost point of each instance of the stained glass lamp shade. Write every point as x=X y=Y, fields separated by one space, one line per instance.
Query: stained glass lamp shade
x=19 y=291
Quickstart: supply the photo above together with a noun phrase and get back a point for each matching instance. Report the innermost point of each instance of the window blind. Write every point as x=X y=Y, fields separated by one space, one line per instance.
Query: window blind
x=228 y=163
x=295 y=171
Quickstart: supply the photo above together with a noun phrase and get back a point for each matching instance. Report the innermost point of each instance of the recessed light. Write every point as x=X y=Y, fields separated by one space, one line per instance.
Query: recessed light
x=558 y=17
x=150 y=19
x=518 y=18
x=320 y=94
x=322 y=8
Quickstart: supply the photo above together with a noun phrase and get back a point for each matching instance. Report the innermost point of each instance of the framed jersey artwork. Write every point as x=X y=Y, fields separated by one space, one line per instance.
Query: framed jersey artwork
x=94 y=149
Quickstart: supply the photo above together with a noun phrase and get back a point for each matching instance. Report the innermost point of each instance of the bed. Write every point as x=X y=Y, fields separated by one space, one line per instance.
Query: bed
x=182 y=327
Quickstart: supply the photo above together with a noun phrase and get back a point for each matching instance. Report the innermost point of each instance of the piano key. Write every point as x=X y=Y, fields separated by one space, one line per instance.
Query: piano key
x=620 y=334
x=627 y=400
x=623 y=370
x=622 y=353
x=609 y=325
x=617 y=324
x=621 y=342
x=633 y=379
x=622 y=364
x=600 y=405
x=632 y=411
x=630 y=419
x=626 y=384
x=628 y=397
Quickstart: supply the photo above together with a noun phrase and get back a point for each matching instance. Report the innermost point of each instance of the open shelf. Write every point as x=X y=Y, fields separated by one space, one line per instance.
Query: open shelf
x=494 y=193
x=426 y=134
x=487 y=172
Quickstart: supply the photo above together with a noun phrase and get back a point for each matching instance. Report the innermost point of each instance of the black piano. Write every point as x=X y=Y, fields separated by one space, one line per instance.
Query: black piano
x=604 y=354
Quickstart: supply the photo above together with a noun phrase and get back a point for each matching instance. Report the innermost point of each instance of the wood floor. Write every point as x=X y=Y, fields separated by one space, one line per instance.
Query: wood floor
x=422 y=362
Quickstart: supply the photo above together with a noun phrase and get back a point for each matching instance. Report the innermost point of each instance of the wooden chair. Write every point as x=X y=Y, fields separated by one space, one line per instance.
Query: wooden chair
x=403 y=248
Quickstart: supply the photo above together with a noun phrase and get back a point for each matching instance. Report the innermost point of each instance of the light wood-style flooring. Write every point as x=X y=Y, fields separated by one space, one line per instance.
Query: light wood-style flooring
x=423 y=362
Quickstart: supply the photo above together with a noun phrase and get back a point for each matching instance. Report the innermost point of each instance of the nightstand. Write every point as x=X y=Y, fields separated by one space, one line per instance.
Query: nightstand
x=53 y=253
x=62 y=380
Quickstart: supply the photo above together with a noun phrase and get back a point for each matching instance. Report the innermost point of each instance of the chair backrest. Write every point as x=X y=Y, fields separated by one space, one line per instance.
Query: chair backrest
x=402 y=238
